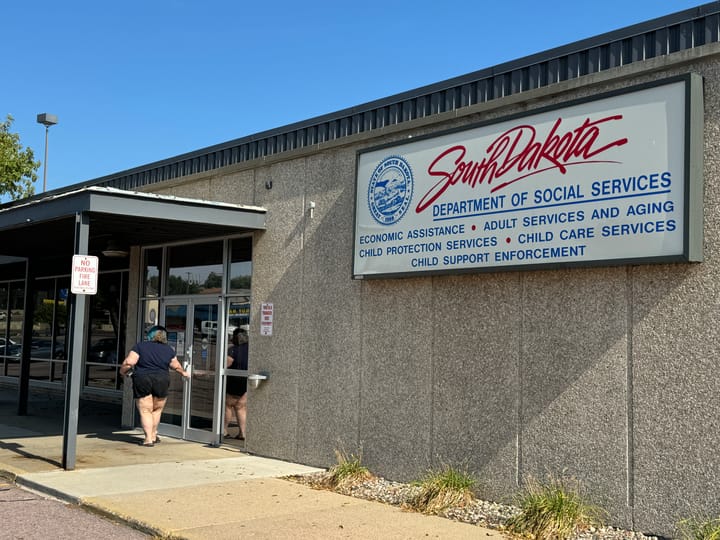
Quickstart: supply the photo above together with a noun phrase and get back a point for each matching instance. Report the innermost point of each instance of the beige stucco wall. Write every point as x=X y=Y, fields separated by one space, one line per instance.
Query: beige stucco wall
x=609 y=374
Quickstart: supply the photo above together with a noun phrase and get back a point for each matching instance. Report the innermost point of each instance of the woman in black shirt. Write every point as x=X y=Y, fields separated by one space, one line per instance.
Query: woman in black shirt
x=151 y=361
x=235 y=386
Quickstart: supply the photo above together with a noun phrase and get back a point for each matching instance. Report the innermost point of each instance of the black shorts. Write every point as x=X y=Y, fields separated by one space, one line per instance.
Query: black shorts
x=155 y=384
x=236 y=386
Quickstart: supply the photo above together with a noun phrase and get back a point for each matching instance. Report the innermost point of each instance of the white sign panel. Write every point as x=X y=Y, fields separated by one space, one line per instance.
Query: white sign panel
x=601 y=180
x=84 y=274
x=266 y=319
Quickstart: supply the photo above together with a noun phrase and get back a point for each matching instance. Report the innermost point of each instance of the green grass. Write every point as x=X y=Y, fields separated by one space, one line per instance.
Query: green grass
x=554 y=510
x=699 y=529
x=348 y=470
x=442 y=489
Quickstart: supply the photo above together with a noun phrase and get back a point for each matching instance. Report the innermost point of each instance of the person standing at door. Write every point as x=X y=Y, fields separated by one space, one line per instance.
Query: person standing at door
x=236 y=387
x=150 y=362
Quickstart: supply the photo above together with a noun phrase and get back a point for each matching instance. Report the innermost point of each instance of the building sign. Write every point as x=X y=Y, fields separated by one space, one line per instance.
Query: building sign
x=602 y=181
x=84 y=274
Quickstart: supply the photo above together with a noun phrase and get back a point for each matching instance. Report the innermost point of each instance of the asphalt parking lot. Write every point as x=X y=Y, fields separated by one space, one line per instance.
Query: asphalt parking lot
x=27 y=515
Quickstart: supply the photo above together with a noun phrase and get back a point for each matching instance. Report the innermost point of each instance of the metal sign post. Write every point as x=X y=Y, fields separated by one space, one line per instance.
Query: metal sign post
x=83 y=282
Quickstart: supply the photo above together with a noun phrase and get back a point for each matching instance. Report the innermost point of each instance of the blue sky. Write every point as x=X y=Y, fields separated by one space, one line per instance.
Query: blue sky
x=138 y=81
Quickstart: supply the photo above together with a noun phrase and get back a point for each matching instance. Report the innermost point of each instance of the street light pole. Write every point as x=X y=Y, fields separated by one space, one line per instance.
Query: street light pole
x=47 y=120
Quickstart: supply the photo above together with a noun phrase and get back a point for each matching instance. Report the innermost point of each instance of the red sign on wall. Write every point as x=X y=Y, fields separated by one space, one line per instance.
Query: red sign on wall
x=266 y=319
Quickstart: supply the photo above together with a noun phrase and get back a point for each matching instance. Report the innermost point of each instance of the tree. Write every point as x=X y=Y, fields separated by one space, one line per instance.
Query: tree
x=17 y=166
x=213 y=281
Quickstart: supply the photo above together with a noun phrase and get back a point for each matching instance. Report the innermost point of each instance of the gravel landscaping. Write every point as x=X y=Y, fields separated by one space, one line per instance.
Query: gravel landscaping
x=482 y=513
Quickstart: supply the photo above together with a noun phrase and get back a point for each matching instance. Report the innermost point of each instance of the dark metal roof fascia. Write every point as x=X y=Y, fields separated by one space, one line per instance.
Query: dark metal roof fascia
x=124 y=203
x=683 y=30
x=41 y=210
x=184 y=210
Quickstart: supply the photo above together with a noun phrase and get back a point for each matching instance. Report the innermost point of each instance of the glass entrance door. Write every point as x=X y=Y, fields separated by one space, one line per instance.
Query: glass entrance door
x=235 y=410
x=192 y=332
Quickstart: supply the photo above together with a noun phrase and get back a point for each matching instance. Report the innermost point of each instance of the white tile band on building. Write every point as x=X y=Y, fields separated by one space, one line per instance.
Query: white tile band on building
x=516 y=271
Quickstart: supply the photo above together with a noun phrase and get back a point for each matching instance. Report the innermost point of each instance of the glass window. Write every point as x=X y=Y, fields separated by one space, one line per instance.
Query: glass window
x=17 y=310
x=48 y=332
x=195 y=269
x=16 y=313
x=4 y=292
x=41 y=345
x=240 y=266
x=62 y=313
x=106 y=331
x=4 y=319
x=58 y=371
x=6 y=346
x=152 y=264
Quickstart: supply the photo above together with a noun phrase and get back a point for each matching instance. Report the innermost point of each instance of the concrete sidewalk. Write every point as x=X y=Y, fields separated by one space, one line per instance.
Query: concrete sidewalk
x=179 y=489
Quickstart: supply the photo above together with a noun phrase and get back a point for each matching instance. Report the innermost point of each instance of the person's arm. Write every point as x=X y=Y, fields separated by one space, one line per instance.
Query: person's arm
x=176 y=366
x=130 y=360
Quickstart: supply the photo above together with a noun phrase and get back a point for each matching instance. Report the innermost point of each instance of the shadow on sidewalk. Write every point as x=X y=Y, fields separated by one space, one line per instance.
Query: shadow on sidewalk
x=19 y=450
x=45 y=413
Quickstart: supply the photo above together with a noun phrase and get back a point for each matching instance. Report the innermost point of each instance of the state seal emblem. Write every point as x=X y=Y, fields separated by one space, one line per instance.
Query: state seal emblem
x=390 y=190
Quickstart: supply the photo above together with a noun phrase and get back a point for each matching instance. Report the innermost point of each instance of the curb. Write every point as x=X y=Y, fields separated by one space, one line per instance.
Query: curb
x=96 y=509
x=128 y=521
x=40 y=488
x=8 y=476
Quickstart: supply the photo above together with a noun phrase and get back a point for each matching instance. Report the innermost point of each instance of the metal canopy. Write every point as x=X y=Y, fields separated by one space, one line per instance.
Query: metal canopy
x=47 y=231
x=45 y=227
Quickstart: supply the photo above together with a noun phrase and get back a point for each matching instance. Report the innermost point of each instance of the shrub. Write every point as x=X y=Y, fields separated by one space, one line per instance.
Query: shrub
x=442 y=489
x=553 y=511
x=699 y=529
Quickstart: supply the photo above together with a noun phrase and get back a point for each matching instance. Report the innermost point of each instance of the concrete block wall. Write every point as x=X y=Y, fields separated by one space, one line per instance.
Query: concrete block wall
x=573 y=379
x=609 y=374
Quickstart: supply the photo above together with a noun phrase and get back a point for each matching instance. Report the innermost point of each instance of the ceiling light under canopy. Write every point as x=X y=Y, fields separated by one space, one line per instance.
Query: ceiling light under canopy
x=114 y=250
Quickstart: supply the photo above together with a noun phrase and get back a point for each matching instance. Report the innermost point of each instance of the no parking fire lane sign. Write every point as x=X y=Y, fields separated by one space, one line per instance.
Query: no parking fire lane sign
x=84 y=274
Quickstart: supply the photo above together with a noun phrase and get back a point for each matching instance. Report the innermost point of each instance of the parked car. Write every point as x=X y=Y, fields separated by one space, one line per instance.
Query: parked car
x=9 y=348
x=104 y=350
x=43 y=348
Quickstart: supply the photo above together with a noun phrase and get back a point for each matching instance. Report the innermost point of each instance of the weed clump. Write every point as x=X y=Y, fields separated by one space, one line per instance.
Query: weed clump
x=348 y=471
x=699 y=529
x=554 y=510
x=442 y=489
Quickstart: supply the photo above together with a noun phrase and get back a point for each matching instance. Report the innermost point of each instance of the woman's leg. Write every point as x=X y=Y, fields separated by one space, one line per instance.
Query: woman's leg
x=241 y=412
x=145 y=409
x=158 y=406
x=226 y=417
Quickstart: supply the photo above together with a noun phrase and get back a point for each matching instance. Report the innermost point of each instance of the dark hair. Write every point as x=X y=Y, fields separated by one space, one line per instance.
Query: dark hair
x=157 y=333
x=239 y=336
x=235 y=338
